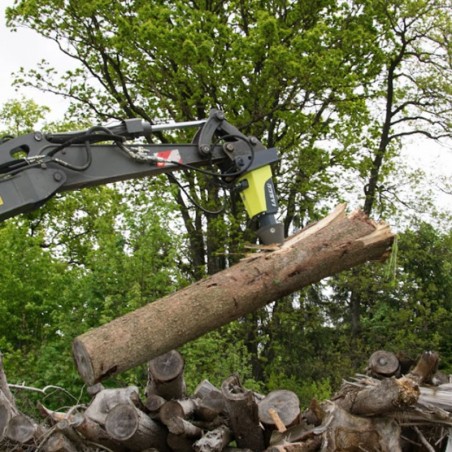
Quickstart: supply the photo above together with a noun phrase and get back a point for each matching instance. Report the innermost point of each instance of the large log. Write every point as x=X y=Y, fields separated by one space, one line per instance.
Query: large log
x=377 y=397
x=243 y=414
x=336 y=243
x=348 y=433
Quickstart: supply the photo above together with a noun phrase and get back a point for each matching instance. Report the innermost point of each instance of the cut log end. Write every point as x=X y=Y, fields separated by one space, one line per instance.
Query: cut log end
x=83 y=362
x=166 y=376
x=383 y=363
x=166 y=367
x=21 y=429
x=284 y=404
x=122 y=422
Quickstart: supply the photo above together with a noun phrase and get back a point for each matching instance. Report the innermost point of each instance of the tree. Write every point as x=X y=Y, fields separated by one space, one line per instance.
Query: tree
x=313 y=79
x=82 y=259
x=287 y=72
x=53 y=291
x=178 y=59
x=21 y=116
x=405 y=305
x=415 y=82
x=413 y=98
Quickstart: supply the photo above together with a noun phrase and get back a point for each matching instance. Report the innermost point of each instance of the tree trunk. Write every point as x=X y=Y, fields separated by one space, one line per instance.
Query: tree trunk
x=349 y=433
x=107 y=399
x=336 y=243
x=243 y=415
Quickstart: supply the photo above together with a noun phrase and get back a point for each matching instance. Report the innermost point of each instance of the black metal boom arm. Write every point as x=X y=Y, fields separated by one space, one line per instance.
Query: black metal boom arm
x=35 y=167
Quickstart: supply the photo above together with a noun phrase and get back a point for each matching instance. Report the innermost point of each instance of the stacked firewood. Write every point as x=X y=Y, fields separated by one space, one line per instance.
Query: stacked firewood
x=396 y=405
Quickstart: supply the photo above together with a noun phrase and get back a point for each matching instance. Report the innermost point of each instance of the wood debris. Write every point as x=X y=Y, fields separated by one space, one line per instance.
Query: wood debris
x=381 y=410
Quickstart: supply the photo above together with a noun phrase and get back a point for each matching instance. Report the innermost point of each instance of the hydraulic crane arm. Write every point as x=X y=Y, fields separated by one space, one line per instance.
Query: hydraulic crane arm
x=36 y=166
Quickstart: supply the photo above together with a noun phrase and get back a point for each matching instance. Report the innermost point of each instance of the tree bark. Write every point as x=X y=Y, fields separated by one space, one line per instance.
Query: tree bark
x=204 y=389
x=58 y=442
x=310 y=445
x=336 y=243
x=180 y=443
x=182 y=427
x=107 y=399
x=93 y=432
x=85 y=426
x=7 y=411
x=14 y=425
x=243 y=415
x=439 y=397
x=214 y=441
x=21 y=429
x=153 y=403
x=4 y=383
x=349 y=433
x=378 y=397
x=210 y=406
x=425 y=368
x=177 y=408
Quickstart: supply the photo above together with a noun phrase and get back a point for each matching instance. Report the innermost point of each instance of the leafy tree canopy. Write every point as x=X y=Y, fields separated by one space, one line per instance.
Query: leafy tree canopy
x=335 y=85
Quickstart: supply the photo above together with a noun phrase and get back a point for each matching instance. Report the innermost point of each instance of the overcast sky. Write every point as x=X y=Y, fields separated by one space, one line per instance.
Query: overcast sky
x=25 y=48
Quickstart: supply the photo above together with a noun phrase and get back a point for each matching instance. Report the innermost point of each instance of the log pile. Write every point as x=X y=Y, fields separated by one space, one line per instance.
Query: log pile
x=377 y=411
x=393 y=406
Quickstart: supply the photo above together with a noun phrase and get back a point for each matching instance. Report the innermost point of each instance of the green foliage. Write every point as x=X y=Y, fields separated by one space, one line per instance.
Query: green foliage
x=21 y=116
x=306 y=390
x=81 y=261
x=334 y=85
x=215 y=357
x=408 y=308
